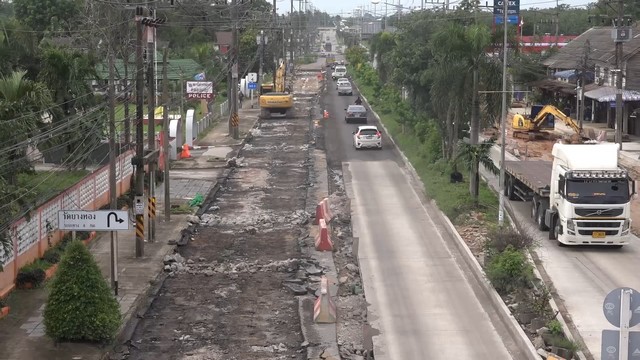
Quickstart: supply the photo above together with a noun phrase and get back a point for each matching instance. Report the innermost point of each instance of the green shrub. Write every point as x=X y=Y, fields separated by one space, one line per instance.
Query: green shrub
x=80 y=306
x=509 y=270
x=564 y=343
x=500 y=238
x=555 y=328
x=33 y=274
x=52 y=255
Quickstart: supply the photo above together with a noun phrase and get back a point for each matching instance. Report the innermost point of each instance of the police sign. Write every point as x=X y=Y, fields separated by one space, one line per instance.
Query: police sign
x=199 y=90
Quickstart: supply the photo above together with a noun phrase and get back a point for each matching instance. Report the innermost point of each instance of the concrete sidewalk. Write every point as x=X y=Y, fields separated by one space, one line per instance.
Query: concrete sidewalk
x=22 y=331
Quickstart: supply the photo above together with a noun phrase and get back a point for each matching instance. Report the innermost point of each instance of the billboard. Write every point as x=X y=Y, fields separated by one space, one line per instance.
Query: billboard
x=513 y=11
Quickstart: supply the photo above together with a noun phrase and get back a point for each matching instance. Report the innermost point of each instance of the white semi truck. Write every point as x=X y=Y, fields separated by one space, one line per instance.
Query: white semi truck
x=582 y=197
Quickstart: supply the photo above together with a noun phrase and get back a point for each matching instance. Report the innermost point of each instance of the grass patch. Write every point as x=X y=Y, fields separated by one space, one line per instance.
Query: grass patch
x=306 y=59
x=452 y=198
x=45 y=184
x=182 y=209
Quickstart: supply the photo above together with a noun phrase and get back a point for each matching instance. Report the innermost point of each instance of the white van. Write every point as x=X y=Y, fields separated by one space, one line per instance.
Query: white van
x=340 y=71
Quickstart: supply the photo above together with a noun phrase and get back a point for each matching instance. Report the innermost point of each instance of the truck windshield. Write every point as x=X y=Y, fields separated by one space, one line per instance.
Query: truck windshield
x=600 y=191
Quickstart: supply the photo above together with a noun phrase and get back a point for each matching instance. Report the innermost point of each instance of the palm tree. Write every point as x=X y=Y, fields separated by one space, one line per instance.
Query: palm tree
x=67 y=73
x=22 y=102
x=471 y=155
x=463 y=51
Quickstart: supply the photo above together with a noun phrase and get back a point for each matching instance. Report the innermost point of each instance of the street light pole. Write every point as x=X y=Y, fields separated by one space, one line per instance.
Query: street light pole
x=503 y=121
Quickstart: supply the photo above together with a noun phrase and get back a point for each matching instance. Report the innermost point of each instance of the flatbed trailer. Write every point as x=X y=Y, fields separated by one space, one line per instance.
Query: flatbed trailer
x=527 y=178
x=530 y=181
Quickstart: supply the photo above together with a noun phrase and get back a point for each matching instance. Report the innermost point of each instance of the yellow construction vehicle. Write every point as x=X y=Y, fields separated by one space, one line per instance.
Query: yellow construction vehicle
x=275 y=99
x=541 y=120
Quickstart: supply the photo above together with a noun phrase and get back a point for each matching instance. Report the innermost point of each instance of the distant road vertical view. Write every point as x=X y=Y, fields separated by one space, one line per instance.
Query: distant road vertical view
x=422 y=298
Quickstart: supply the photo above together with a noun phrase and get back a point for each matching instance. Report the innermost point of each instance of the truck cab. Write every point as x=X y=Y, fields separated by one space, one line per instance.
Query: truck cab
x=589 y=199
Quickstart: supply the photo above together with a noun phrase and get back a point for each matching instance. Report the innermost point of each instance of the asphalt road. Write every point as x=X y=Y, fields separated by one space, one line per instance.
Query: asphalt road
x=421 y=297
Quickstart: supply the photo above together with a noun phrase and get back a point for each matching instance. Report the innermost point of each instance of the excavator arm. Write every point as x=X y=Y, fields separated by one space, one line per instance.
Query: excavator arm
x=279 y=78
x=552 y=110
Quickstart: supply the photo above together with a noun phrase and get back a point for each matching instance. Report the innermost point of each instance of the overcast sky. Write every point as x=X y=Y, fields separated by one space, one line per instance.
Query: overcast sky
x=336 y=7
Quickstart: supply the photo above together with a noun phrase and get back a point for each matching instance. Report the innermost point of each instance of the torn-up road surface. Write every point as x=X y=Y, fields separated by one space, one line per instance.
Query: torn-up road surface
x=228 y=296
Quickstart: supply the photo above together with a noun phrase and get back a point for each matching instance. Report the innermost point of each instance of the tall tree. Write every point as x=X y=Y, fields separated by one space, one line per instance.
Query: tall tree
x=42 y=15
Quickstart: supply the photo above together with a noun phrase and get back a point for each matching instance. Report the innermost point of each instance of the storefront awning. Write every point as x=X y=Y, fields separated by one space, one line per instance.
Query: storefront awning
x=608 y=94
x=566 y=74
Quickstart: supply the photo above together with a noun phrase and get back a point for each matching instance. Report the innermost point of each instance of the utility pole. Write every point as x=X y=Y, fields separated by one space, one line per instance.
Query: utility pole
x=619 y=73
x=274 y=41
x=292 y=39
x=234 y=119
x=557 y=21
x=139 y=162
x=113 y=196
x=127 y=93
x=165 y=135
x=261 y=50
x=584 y=67
x=503 y=120
x=151 y=123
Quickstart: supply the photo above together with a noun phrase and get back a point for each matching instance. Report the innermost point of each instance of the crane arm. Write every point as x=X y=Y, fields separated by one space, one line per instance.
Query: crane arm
x=552 y=110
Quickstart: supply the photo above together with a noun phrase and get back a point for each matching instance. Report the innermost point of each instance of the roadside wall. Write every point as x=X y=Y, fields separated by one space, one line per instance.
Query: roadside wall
x=33 y=234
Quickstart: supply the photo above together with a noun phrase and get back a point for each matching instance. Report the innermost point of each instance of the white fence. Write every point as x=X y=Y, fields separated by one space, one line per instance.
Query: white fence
x=90 y=193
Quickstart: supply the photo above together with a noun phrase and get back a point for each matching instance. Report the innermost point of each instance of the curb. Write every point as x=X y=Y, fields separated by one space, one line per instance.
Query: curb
x=144 y=301
x=498 y=304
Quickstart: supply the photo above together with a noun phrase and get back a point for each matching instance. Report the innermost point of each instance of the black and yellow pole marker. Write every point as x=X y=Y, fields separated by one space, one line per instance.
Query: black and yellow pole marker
x=152 y=214
x=140 y=226
x=139 y=212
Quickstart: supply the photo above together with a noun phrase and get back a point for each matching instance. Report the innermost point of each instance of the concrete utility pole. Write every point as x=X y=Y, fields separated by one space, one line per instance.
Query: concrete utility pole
x=151 y=123
x=261 y=50
x=584 y=67
x=619 y=73
x=234 y=119
x=557 y=21
x=139 y=162
x=165 y=135
x=292 y=39
x=113 y=195
x=274 y=41
x=503 y=121
x=127 y=93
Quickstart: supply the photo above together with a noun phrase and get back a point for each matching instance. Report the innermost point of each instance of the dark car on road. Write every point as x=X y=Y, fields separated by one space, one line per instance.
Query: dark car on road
x=356 y=113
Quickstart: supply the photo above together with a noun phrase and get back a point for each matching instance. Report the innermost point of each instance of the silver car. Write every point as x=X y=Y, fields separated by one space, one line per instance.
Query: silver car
x=345 y=89
x=367 y=136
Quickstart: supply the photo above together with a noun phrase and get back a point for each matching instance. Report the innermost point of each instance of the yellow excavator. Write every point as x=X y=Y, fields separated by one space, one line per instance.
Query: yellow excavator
x=274 y=98
x=541 y=120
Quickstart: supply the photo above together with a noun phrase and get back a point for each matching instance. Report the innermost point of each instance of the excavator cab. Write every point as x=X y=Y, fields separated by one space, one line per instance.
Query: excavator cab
x=541 y=120
x=266 y=88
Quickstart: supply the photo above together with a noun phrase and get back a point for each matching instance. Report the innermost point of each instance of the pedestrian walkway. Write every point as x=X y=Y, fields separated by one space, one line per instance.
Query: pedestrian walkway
x=22 y=333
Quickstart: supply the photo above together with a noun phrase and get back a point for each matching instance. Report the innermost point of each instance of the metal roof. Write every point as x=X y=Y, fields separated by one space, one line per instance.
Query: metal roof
x=601 y=45
x=607 y=94
x=177 y=69
x=566 y=74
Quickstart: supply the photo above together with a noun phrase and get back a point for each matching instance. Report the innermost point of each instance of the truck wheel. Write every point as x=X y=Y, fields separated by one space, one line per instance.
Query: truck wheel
x=510 y=189
x=554 y=230
x=539 y=211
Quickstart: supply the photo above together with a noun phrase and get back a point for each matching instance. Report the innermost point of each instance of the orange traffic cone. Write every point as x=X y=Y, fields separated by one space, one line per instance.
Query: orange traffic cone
x=185 y=152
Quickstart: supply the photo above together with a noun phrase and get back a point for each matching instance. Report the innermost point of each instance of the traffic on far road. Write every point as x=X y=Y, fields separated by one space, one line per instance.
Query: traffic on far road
x=421 y=301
